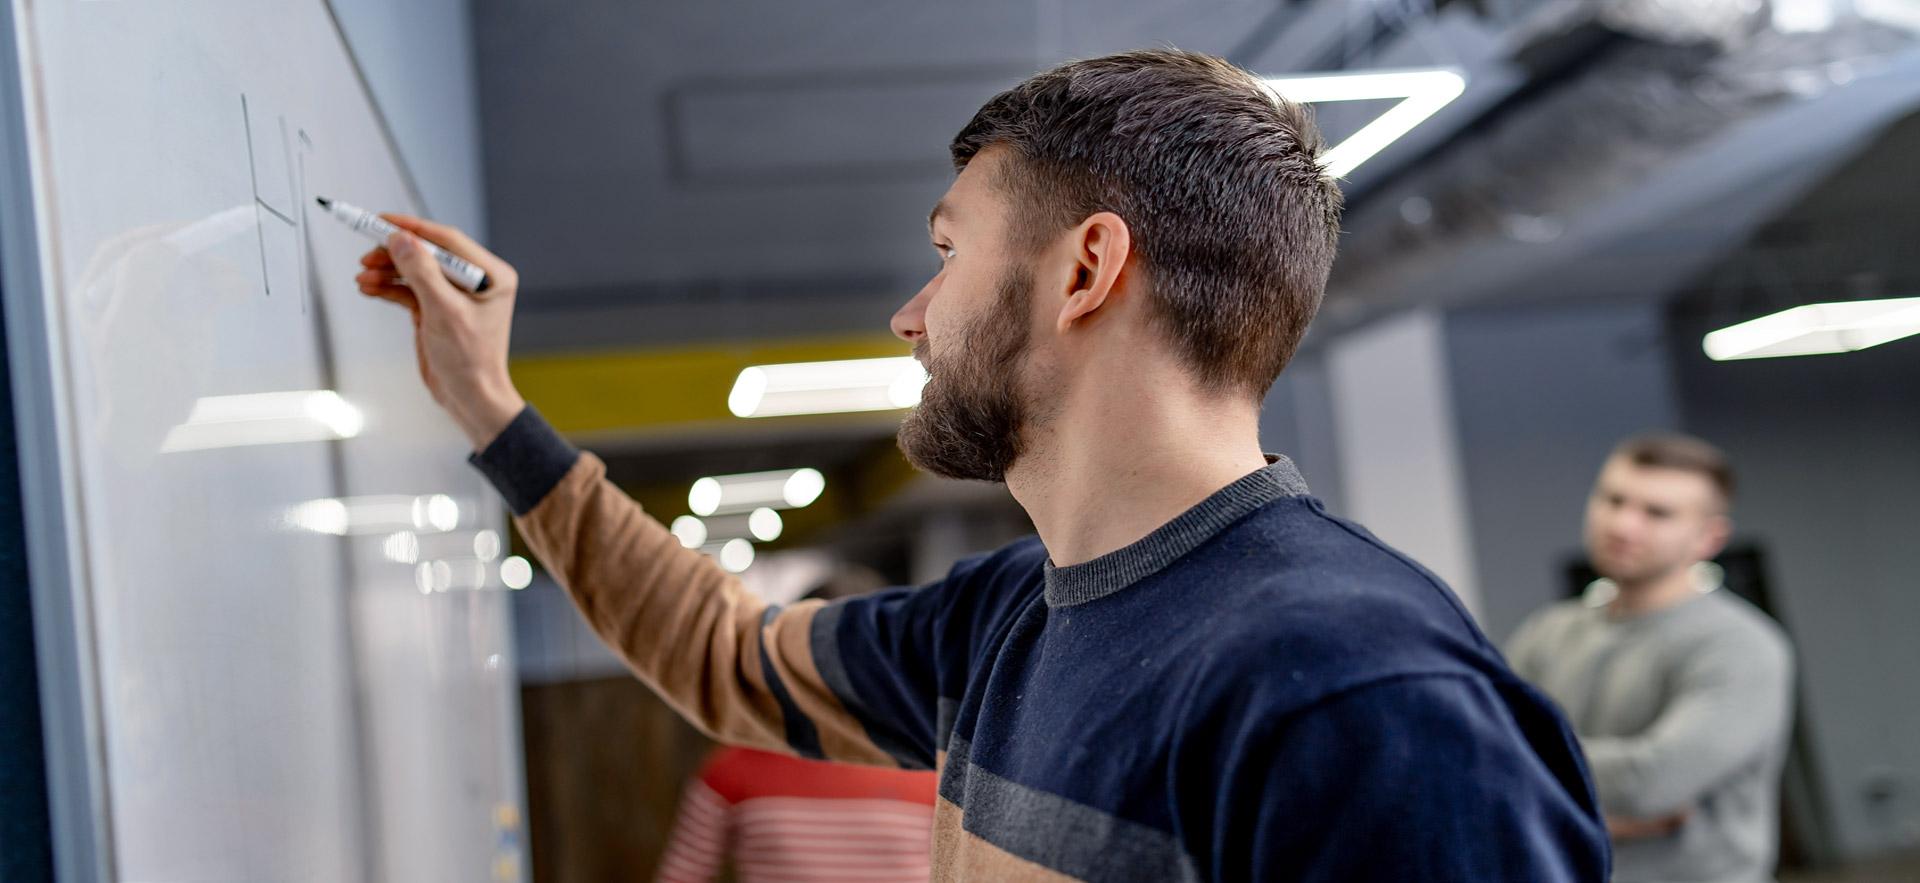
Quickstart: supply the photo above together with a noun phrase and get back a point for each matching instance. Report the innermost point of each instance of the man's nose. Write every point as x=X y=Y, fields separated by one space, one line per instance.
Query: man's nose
x=910 y=321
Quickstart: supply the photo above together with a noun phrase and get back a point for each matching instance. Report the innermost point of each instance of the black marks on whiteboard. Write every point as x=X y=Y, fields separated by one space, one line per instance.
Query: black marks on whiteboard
x=276 y=172
x=301 y=199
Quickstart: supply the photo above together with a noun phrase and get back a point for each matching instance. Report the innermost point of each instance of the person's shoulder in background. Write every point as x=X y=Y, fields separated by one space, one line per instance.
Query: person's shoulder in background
x=741 y=774
x=1541 y=632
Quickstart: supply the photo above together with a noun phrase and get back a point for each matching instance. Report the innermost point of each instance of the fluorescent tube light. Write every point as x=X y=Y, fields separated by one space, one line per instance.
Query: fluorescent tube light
x=1422 y=94
x=761 y=524
x=734 y=555
x=265 y=418
x=765 y=525
x=690 y=531
x=747 y=491
x=827 y=387
x=1839 y=327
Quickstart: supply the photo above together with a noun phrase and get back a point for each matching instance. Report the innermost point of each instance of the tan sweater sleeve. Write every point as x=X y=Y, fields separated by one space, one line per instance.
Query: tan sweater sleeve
x=739 y=670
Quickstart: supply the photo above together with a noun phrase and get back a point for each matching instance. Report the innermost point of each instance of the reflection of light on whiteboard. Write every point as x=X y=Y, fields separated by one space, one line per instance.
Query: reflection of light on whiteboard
x=439 y=512
x=212 y=230
x=265 y=418
x=827 y=387
x=690 y=531
x=1800 y=16
x=747 y=491
x=379 y=513
x=1422 y=94
x=516 y=573
x=451 y=575
x=320 y=516
x=486 y=545
x=402 y=547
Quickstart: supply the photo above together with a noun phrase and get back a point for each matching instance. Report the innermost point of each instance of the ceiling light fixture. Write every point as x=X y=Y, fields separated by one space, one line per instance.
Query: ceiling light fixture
x=1838 y=327
x=1422 y=94
x=733 y=555
x=747 y=491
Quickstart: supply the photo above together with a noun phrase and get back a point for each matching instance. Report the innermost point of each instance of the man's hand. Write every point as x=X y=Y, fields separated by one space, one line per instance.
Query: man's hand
x=1623 y=828
x=460 y=338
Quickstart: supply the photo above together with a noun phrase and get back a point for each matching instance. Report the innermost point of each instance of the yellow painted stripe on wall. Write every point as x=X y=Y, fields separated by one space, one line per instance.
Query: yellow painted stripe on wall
x=639 y=390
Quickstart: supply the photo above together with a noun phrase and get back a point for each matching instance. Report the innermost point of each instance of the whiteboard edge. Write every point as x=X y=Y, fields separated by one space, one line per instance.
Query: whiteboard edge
x=63 y=644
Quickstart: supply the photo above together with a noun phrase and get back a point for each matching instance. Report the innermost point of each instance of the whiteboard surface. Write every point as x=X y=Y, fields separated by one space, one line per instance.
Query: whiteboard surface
x=283 y=693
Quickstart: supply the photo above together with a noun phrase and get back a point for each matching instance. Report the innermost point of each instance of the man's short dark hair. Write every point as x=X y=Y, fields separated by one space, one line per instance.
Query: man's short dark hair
x=1216 y=176
x=1667 y=450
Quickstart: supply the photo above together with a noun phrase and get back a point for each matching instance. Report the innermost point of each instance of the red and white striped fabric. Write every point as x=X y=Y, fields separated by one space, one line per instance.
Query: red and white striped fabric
x=778 y=818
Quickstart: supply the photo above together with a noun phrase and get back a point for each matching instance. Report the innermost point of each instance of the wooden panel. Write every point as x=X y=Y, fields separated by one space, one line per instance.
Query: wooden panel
x=605 y=763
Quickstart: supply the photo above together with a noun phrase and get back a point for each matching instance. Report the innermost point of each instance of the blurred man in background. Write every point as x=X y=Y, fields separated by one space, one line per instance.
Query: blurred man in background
x=1680 y=691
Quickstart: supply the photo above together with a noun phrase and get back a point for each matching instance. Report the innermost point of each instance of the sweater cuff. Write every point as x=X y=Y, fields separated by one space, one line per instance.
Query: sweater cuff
x=525 y=460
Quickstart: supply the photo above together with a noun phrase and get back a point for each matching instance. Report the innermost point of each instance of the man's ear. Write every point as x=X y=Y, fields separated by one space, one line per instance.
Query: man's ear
x=1100 y=245
x=1719 y=532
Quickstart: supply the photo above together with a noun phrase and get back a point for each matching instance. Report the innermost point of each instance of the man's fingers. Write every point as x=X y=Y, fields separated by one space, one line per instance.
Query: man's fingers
x=454 y=240
x=443 y=235
x=398 y=294
x=423 y=273
x=376 y=259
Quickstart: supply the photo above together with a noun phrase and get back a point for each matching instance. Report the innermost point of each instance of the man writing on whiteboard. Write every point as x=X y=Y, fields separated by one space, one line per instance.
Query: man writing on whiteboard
x=1193 y=672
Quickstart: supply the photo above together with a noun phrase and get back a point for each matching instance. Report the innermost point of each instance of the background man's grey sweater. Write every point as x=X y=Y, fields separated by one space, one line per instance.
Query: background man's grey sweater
x=1683 y=709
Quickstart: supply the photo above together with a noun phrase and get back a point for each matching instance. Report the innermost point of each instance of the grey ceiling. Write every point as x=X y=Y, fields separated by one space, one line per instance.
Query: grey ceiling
x=673 y=172
x=687 y=173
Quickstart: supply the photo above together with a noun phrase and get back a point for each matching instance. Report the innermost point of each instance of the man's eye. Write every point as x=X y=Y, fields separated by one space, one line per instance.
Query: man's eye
x=945 y=250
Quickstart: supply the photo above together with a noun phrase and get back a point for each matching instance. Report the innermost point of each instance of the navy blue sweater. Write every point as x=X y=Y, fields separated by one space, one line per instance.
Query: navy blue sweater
x=1256 y=691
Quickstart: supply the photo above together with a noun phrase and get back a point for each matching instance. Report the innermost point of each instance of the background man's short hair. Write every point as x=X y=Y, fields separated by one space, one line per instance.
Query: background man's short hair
x=1216 y=176
x=1683 y=452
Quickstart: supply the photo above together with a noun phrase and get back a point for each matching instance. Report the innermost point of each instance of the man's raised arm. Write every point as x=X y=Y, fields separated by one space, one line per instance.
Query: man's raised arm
x=742 y=671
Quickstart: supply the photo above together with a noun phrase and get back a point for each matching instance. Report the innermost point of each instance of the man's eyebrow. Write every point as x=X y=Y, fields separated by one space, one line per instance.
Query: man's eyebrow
x=940 y=210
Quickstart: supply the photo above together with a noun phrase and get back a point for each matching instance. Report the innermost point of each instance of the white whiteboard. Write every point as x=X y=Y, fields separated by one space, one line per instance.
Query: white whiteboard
x=289 y=645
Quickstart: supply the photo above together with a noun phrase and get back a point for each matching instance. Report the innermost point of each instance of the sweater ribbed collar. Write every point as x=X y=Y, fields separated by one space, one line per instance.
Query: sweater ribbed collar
x=1116 y=570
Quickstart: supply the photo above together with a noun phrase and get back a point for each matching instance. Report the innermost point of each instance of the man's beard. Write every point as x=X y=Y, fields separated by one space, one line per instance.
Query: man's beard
x=1636 y=571
x=971 y=411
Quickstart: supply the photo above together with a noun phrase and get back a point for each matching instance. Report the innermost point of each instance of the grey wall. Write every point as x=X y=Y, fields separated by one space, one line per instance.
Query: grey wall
x=1297 y=421
x=1828 y=453
x=418 y=60
x=1541 y=393
x=1400 y=465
